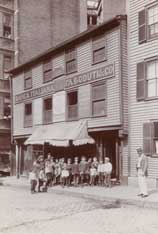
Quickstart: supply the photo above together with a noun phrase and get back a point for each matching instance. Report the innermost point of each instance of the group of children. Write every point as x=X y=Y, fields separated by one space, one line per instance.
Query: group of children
x=50 y=172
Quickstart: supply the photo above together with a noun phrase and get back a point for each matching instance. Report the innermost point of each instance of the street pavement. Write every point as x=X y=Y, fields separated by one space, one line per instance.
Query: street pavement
x=60 y=213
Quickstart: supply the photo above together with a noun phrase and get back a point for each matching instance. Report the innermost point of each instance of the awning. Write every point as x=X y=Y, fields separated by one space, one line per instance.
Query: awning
x=60 y=134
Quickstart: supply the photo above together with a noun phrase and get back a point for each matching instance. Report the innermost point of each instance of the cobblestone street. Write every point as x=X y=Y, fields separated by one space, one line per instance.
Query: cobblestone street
x=24 y=213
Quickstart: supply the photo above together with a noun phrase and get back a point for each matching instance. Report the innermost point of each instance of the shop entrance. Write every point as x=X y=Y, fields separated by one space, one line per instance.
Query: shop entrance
x=107 y=145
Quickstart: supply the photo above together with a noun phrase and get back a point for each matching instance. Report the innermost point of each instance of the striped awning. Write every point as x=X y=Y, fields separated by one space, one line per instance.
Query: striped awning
x=61 y=134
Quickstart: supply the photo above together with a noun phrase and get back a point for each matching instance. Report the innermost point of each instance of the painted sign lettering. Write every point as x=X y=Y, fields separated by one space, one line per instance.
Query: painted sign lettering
x=88 y=77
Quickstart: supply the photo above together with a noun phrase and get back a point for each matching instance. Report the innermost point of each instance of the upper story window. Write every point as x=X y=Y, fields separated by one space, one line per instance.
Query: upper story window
x=28 y=79
x=148 y=23
x=7 y=26
x=7 y=65
x=98 y=47
x=47 y=110
x=147 y=79
x=72 y=105
x=47 y=70
x=28 y=115
x=71 y=60
x=99 y=99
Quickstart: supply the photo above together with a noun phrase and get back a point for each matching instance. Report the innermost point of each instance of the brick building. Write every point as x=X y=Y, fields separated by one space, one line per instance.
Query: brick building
x=73 y=95
x=40 y=25
x=143 y=83
x=6 y=63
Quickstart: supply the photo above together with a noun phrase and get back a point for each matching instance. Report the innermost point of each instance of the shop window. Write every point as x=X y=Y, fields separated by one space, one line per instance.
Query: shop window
x=148 y=23
x=99 y=100
x=71 y=60
x=72 y=101
x=7 y=65
x=147 y=79
x=150 y=138
x=98 y=47
x=7 y=26
x=28 y=79
x=47 y=110
x=28 y=115
x=47 y=71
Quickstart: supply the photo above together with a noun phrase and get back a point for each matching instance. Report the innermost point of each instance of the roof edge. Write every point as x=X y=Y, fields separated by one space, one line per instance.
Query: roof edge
x=112 y=23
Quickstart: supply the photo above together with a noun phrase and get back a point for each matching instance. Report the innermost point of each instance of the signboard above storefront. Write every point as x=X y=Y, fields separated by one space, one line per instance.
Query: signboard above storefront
x=90 y=76
x=35 y=93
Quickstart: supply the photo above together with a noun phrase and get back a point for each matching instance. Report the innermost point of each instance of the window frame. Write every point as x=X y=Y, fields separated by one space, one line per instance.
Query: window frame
x=45 y=121
x=28 y=76
x=10 y=26
x=5 y=71
x=69 y=60
x=150 y=37
x=67 y=105
x=28 y=123
x=47 y=67
x=99 y=99
x=96 y=48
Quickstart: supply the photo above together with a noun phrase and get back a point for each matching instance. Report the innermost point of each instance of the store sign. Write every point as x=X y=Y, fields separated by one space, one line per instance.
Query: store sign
x=91 y=76
x=35 y=93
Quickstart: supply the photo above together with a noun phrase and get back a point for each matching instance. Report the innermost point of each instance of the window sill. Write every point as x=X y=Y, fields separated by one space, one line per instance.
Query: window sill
x=98 y=116
x=104 y=60
x=7 y=38
x=69 y=73
x=27 y=88
x=151 y=98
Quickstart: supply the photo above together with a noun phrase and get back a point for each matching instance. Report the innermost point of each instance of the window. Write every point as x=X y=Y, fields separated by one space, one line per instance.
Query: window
x=153 y=21
x=147 y=79
x=28 y=79
x=150 y=138
x=7 y=27
x=7 y=65
x=5 y=108
x=99 y=100
x=98 y=47
x=28 y=115
x=71 y=61
x=72 y=101
x=47 y=71
x=47 y=110
x=148 y=24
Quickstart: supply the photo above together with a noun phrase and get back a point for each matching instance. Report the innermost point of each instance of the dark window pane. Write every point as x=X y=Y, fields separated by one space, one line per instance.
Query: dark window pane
x=47 y=75
x=48 y=104
x=72 y=98
x=28 y=109
x=98 y=92
x=28 y=83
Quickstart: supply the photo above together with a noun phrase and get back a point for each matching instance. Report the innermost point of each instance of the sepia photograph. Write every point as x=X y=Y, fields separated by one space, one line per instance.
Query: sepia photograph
x=78 y=116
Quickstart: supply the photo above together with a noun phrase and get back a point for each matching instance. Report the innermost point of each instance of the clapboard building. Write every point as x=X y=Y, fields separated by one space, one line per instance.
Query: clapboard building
x=75 y=96
x=143 y=85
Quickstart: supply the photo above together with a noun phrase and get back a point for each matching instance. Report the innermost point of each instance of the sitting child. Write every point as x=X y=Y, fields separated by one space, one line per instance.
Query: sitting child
x=42 y=180
x=44 y=187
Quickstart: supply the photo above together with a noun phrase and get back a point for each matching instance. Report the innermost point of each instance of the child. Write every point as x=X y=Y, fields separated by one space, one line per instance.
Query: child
x=93 y=173
x=57 y=172
x=69 y=168
x=42 y=179
x=82 y=170
x=107 y=172
x=33 y=180
x=100 y=171
x=64 y=175
x=75 y=172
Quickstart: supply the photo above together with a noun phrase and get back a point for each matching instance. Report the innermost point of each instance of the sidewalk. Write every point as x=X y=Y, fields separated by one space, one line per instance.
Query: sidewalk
x=126 y=195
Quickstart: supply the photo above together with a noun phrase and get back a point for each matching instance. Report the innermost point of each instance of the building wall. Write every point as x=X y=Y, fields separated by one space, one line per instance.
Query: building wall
x=142 y=111
x=39 y=25
x=84 y=58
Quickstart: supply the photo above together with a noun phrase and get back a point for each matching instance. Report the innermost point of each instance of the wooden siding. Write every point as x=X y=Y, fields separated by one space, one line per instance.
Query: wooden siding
x=84 y=97
x=143 y=111
x=37 y=108
x=59 y=106
x=84 y=53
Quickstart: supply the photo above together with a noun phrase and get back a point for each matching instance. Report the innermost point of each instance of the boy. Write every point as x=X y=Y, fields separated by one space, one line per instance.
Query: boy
x=33 y=180
x=107 y=172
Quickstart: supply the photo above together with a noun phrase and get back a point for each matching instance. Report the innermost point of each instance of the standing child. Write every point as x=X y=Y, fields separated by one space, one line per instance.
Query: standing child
x=75 y=172
x=33 y=180
x=100 y=170
x=107 y=172
x=93 y=173
x=41 y=180
x=64 y=175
